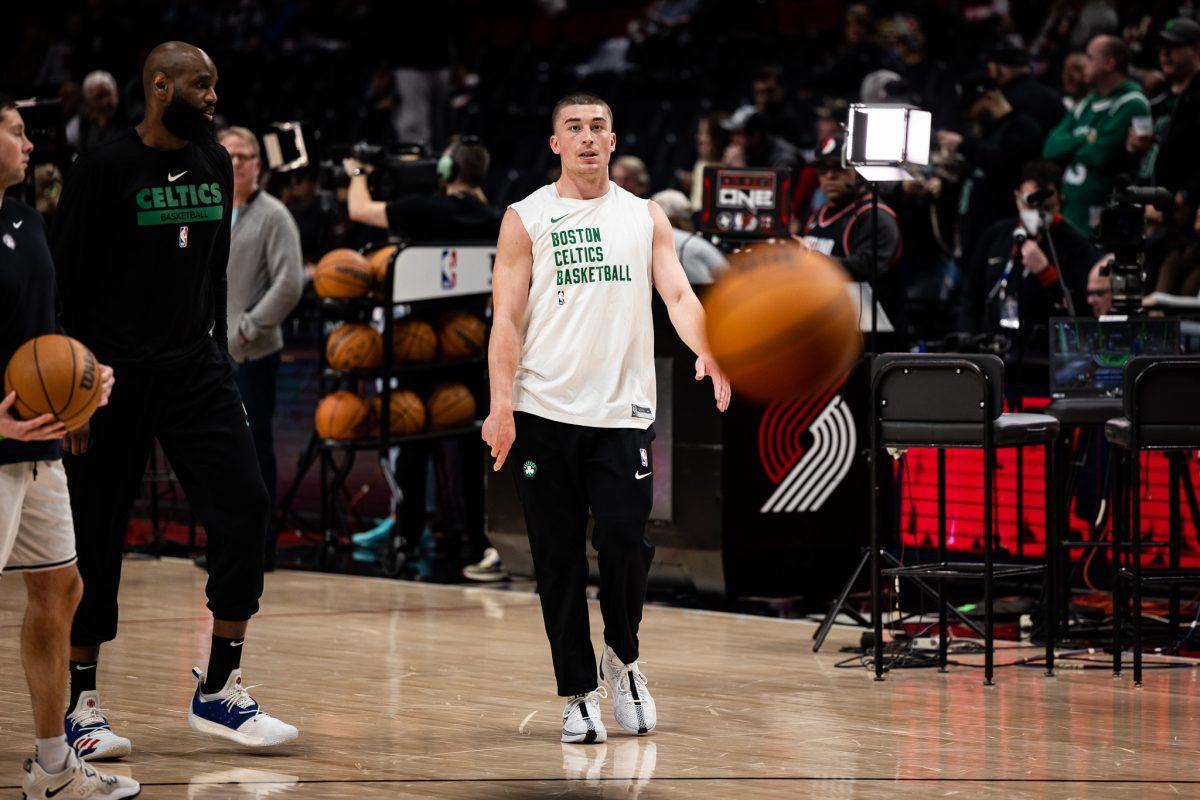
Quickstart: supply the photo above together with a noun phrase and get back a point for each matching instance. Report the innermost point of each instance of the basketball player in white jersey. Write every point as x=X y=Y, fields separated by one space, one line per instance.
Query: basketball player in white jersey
x=573 y=402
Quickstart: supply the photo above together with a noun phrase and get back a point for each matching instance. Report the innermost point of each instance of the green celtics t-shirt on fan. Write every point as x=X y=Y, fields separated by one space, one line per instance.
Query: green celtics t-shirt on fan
x=141 y=242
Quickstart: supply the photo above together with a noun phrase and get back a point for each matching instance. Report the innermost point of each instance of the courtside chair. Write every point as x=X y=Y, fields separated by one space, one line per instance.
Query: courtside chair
x=949 y=401
x=1162 y=412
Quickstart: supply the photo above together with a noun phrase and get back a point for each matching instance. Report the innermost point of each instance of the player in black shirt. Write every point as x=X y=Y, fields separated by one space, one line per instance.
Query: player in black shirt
x=141 y=240
x=37 y=539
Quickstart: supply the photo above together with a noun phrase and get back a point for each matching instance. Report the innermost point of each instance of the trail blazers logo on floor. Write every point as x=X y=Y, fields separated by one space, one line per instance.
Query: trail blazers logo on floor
x=806 y=448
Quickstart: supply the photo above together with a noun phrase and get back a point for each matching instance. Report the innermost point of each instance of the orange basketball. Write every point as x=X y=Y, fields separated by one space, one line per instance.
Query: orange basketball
x=781 y=322
x=451 y=406
x=56 y=375
x=354 y=346
x=341 y=415
x=406 y=410
x=413 y=342
x=379 y=261
x=461 y=335
x=342 y=273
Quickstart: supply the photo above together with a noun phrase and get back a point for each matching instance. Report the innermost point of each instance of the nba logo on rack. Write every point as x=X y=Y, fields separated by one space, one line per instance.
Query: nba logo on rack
x=183 y=236
x=449 y=269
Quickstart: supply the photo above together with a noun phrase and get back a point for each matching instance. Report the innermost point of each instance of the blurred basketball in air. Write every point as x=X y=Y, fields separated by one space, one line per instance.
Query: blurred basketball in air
x=341 y=415
x=406 y=412
x=781 y=322
x=451 y=406
x=354 y=346
x=56 y=375
x=342 y=273
x=413 y=341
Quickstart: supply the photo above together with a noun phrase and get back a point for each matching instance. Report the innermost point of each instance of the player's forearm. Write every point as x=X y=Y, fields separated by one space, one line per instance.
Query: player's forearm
x=504 y=350
x=687 y=315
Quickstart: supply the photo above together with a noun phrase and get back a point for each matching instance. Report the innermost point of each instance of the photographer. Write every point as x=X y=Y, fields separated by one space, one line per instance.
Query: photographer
x=1011 y=281
x=460 y=212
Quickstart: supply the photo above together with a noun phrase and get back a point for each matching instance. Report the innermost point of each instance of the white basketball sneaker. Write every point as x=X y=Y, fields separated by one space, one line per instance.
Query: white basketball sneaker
x=89 y=734
x=632 y=704
x=79 y=781
x=233 y=714
x=581 y=720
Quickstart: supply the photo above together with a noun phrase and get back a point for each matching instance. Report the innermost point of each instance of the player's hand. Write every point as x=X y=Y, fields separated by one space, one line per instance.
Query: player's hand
x=39 y=429
x=706 y=366
x=352 y=164
x=107 y=379
x=499 y=431
x=1033 y=257
x=77 y=440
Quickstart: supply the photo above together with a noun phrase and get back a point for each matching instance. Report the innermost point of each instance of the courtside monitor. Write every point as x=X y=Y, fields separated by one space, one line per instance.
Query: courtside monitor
x=746 y=203
x=1088 y=355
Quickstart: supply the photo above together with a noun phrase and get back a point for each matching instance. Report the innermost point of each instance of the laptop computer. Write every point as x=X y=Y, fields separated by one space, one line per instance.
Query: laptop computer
x=1088 y=354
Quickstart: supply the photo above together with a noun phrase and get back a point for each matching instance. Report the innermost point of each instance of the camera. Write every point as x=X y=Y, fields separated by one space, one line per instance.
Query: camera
x=1122 y=232
x=399 y=170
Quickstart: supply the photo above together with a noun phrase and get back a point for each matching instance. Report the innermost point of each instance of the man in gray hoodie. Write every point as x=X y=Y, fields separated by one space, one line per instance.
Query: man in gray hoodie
x=266 y=277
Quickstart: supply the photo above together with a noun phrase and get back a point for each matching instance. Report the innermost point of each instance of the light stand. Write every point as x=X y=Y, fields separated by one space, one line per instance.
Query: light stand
x=882 y=141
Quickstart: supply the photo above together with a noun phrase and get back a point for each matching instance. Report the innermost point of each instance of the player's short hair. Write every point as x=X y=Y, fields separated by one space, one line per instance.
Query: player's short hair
x=245 y=134
x=579 y=99
x=6 y=102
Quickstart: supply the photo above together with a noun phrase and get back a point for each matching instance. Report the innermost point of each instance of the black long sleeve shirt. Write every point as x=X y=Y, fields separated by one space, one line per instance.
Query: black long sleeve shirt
x=26 y=304
x=141 y=243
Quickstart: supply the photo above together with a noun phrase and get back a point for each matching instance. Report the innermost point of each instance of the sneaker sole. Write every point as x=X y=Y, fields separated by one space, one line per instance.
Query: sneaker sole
x=220 y=731
x=110 y=753
x=489 y=577
x=588 y=737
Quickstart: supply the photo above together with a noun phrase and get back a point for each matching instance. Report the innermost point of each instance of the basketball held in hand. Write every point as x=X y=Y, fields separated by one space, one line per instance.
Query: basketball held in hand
x=781 y=322
x=57 y=375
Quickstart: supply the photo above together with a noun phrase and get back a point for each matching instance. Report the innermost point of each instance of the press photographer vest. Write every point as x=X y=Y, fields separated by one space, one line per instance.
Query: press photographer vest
x=588 y=352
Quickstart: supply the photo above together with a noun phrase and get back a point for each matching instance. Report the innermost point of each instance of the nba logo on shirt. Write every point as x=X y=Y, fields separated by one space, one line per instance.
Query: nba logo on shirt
x=645 y=457
x=183 y=236
x=562 y=297
x=449 y=269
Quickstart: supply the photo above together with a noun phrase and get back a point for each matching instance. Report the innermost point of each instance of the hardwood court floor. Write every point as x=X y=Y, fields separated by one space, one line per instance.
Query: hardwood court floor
x=403 y=690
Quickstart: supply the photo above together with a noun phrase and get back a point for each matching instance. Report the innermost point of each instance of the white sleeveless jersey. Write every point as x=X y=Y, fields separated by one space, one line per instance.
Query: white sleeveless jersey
x=588 y=353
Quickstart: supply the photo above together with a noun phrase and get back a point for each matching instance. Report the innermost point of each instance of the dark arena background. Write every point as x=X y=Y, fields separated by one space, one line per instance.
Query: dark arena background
x=962 y=559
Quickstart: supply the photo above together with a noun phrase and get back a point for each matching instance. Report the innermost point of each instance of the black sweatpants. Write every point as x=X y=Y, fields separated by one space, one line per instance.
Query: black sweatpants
x=563 y=472
x=256 y=383
x=195 y=412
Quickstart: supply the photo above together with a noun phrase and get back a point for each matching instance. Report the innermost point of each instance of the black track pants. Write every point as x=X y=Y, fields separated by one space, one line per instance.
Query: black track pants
x=195 y=412
x=563 y=472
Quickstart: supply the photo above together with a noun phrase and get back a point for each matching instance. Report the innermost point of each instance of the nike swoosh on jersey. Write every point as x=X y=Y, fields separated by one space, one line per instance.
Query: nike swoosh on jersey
x=556 y=219
x=173 y=178
x=17 y=225
x=639 y=476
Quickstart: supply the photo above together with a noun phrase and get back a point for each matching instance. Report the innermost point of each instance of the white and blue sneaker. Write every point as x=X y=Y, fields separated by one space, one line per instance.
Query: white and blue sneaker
x=88 y=731
x=632 y=704
x=581 y=720
x=233 y=714
x=76 y=781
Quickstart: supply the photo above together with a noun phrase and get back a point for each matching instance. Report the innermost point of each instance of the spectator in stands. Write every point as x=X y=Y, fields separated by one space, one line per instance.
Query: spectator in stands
x=266 y=278
x=751 y=144
x=630 y=173
x=1163 y=238
x=1180 y=271
x=1008 y=140
x=927 y=79
x=1009 y=65
x=701 y=260
x=711 y=141
x=857 y=54
x=1011 y=281
x=1099 y=287
x=316 y=213
x=770 y=98
x=1172 y=150
x=1090 y=141
x=842 y=229
x=98 y=119
x=1074 y=80
x=459 y=212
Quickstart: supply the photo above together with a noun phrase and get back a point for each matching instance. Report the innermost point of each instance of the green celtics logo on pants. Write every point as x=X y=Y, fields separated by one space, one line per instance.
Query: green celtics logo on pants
x=529 y=468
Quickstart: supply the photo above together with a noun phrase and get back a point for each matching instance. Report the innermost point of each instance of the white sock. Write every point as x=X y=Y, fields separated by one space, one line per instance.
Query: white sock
x=52 y=753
